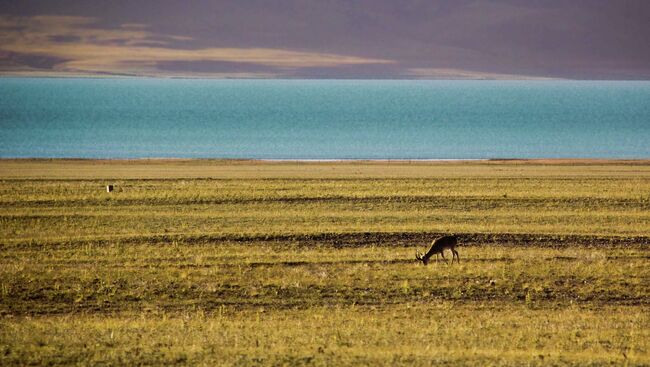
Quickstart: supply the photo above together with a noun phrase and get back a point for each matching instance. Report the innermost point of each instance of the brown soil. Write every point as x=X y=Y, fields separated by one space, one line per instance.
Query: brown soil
x=367 y=239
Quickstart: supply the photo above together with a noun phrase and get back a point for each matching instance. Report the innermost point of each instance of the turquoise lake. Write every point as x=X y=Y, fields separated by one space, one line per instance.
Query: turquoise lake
x=323 y=119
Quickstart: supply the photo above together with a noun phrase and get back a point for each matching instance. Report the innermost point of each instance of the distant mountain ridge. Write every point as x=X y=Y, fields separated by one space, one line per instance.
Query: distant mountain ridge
x=451 y=39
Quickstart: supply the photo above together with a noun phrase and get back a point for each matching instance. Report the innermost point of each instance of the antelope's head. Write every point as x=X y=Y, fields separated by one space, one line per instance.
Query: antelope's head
x=419 y=256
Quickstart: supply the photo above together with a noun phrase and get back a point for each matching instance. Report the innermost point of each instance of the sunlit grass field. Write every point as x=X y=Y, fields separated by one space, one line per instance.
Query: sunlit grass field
x=282 y=263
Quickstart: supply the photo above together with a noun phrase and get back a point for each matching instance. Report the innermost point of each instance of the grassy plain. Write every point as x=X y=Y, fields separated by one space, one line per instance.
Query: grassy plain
x=280 y=263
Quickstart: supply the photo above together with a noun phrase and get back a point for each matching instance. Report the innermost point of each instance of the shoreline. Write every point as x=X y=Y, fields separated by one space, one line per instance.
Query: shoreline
x=549 y=161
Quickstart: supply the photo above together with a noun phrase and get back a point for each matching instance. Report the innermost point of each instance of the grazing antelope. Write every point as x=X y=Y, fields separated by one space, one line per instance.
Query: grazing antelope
x=438 y=246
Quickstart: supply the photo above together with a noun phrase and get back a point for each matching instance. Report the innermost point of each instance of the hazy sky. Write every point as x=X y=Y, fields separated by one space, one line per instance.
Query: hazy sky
x=581 y=39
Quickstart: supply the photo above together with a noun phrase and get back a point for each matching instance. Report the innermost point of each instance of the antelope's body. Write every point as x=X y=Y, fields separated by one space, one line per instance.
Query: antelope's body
x=438 y=246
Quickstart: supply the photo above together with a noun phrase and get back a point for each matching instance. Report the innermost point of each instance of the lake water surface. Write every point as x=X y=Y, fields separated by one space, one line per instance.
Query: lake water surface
x=323 y=119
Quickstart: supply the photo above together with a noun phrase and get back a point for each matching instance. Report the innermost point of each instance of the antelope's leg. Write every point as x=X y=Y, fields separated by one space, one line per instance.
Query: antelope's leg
x=456 y=255
x=442 y=253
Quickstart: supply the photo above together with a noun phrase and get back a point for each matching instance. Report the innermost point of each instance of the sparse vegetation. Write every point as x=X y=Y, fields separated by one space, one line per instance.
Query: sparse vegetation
x=241 y=263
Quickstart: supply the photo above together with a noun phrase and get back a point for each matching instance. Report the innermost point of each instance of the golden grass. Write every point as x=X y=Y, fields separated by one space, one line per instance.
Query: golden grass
x=204 y=168
x=249 y=263
x=403 y=335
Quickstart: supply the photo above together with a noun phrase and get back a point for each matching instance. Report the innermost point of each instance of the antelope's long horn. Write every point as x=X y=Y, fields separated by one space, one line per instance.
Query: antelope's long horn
x=418 y=255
